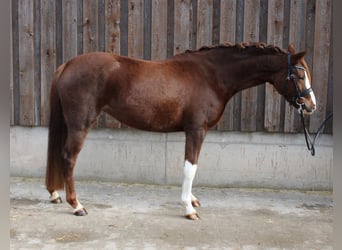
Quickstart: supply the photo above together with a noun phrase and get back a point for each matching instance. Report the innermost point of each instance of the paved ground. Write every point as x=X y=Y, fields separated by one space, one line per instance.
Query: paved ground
x=125 y=216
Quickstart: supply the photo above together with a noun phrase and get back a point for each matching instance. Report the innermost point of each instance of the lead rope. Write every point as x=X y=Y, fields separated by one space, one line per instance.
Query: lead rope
x=309 y=142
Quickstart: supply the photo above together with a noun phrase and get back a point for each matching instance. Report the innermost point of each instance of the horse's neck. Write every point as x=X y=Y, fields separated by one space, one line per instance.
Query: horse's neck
x=247 y=71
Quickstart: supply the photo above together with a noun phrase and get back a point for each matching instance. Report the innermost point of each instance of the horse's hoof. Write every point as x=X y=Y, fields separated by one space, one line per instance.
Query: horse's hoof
x=192 y=216
x=57 y=200
x=195 y=203
x=81 y=212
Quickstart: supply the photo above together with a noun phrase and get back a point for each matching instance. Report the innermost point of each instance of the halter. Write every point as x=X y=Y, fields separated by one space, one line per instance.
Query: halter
x=310 y=143
x=291 y=77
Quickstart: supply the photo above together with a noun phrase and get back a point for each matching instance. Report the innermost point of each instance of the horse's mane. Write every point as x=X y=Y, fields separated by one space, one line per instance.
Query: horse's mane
x=241 y=46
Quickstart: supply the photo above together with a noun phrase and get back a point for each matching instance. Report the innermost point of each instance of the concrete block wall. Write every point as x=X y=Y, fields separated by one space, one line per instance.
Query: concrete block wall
x=228 y=159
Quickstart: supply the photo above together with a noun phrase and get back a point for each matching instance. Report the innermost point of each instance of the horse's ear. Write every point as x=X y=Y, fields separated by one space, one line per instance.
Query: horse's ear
x=295 y=58
x=291 y=49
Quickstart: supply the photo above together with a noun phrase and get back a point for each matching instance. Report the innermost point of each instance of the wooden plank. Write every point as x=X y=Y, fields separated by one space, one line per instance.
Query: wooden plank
x=227 y=34
x=69 y=8
x=181 y=25
x=101 y=122
x=249 y=97
x=240 y=13
x=136 y=28
x=36 y=50
x=170 y=27
x=204 y=23
x=90 y=26
x=228 y=21
x=297 y=37
x=193 y=24
x=320 y=72
x=48 y=55
x=273 y=101
x=123 y=27
x=26 y=63
x=112 y=42
x=159 y=30
x=261 y=89
x=59 y=32
x=147 y=16
x=15 y=88
x=330 y=100
x=79 y=26
x=112 y=26
x=216 y=21
x=101 y=26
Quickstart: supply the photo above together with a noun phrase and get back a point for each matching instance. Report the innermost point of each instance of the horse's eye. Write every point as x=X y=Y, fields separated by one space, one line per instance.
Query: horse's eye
x=301 y=77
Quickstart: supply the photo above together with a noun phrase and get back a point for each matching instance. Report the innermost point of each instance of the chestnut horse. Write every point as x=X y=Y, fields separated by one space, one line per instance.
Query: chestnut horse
x=187 y=92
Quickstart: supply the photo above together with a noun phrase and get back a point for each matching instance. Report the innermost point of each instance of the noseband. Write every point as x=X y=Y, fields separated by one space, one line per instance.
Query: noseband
x=291 y=77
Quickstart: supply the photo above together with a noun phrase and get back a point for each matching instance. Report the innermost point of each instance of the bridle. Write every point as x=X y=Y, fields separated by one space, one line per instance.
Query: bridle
x=291 y=77
x=294 y=101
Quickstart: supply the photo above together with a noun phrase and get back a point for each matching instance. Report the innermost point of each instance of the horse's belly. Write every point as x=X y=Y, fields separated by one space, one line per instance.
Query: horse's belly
x=159 y=118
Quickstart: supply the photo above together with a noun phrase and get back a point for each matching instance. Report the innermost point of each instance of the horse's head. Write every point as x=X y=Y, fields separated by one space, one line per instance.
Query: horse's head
x=296 y=87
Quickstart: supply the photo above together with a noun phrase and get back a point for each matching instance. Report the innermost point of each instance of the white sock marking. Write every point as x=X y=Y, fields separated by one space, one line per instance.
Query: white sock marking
x=189 y=174
x=79 y=207
x=54 y=196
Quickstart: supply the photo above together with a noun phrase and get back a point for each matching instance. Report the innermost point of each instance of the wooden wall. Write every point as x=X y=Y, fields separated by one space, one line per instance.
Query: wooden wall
x=46 y=33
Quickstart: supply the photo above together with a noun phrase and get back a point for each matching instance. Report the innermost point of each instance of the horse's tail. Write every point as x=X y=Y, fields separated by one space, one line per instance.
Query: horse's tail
x=54 y=177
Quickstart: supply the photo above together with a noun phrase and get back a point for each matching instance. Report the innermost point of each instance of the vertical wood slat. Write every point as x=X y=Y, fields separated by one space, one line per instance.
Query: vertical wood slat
x=112 y=26
x=273 y=100
x=330 y=92
x=159 y=30
x=136 y=28
x=297 y=37
x=37 y=64
x=227 y=34
x=181 y=25
x=204 y=22
x=48 y=55
x=15 y=88
x=69 y=27
x=90 y=26
x=112 y=43
x=260 y=109
x=26 y=63
x=239 y=25
x=320 y=72
x=250 y=96
x=147 y=16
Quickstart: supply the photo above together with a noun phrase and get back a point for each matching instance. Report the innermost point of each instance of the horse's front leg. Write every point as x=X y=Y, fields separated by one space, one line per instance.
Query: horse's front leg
x=194 y=140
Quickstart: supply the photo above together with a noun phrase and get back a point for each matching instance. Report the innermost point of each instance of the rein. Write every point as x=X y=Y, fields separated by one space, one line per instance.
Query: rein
x=310 y=143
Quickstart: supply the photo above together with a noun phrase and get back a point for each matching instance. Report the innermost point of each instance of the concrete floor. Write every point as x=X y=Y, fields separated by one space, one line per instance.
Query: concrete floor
x=138 y=216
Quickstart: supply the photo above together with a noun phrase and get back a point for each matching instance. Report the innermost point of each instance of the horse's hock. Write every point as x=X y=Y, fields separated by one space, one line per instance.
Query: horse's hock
x=228 y=159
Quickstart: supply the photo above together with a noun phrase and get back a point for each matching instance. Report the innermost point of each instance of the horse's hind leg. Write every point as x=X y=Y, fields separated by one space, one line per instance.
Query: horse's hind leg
x=54 y=197
x=71 y=150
